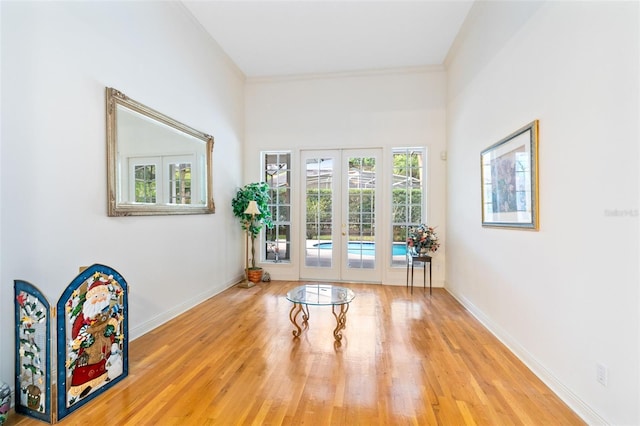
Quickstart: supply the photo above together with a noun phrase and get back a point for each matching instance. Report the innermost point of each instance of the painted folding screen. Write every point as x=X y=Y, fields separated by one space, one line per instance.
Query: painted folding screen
x=92 y=327
x=33 y=357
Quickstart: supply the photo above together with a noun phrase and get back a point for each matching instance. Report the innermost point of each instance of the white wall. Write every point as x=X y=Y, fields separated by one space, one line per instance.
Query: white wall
x=566 y=297
x=359 y=110
x=57 y=59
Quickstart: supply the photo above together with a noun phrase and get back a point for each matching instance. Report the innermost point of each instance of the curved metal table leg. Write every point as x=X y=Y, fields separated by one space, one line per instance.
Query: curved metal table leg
x=297 y=307
x=293 y=316
x=341 y=321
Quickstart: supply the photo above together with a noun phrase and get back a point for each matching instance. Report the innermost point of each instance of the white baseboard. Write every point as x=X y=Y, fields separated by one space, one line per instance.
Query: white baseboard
x=563 y=392
x=166 y=316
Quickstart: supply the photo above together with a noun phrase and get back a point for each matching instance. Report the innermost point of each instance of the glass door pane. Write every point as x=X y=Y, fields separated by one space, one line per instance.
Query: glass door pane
x=359 y=219
x=319 y=204
x=361 y=212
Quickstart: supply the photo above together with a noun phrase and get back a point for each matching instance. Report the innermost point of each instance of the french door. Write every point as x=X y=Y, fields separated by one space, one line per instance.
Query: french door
x=340 y=200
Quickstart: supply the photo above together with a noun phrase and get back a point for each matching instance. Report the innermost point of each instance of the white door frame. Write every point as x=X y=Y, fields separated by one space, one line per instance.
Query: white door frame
x=333 y=265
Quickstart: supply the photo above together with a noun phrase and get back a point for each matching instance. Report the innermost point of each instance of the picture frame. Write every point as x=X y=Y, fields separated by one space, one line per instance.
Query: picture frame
x=509 y=181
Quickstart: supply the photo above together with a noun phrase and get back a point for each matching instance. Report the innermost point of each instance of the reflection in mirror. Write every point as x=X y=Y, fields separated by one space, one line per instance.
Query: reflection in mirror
x=155 y=165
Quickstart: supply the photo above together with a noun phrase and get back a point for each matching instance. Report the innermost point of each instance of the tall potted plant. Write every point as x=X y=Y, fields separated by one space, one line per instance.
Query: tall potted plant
x=252 y=223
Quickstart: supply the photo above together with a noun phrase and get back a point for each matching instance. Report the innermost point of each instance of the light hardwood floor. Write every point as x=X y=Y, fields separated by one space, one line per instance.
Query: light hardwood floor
x=405 y=359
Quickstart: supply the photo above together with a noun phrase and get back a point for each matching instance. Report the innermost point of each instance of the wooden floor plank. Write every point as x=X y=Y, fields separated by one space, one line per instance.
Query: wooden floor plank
x=405 y=358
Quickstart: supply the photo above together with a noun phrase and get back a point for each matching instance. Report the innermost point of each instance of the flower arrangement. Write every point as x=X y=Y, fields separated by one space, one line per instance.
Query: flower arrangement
x=422 y=239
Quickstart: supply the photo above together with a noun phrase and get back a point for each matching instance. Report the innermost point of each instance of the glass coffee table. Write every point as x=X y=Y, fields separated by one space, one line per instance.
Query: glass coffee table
x=320 y=295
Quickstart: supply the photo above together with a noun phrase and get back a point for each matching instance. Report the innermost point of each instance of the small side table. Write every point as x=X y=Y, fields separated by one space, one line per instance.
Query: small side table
x=411 y=259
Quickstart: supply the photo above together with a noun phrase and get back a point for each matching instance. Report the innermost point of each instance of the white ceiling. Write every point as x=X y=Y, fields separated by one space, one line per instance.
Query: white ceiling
x=277 y=38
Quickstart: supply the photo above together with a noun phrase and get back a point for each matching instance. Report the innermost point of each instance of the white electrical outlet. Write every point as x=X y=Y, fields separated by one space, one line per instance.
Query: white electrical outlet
x=602 y=374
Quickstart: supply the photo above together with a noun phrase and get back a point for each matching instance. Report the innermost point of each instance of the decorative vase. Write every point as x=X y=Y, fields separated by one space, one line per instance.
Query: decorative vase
x=5 y=401
x=254 y=275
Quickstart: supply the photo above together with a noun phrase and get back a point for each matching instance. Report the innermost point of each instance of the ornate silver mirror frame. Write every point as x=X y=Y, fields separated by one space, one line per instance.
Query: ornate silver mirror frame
x=155 y=164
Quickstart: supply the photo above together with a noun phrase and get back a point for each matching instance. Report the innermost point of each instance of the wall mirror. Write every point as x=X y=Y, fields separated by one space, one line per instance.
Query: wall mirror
x=155 y=164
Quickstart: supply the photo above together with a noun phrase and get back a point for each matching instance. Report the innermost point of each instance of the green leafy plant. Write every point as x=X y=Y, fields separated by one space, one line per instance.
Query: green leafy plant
x=258 y=192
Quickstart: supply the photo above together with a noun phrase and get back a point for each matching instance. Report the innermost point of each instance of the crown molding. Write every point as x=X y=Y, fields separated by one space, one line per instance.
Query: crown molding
x=346 y=74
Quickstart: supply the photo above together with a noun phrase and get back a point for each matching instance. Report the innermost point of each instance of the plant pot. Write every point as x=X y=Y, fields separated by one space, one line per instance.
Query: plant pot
x=255 y=275
x=33 y=397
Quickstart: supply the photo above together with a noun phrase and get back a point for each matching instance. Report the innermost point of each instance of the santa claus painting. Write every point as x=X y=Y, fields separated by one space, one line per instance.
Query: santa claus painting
x=95 y=318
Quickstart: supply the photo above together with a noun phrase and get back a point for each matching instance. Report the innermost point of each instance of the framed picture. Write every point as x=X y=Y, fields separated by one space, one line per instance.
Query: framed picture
x=509 y=177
